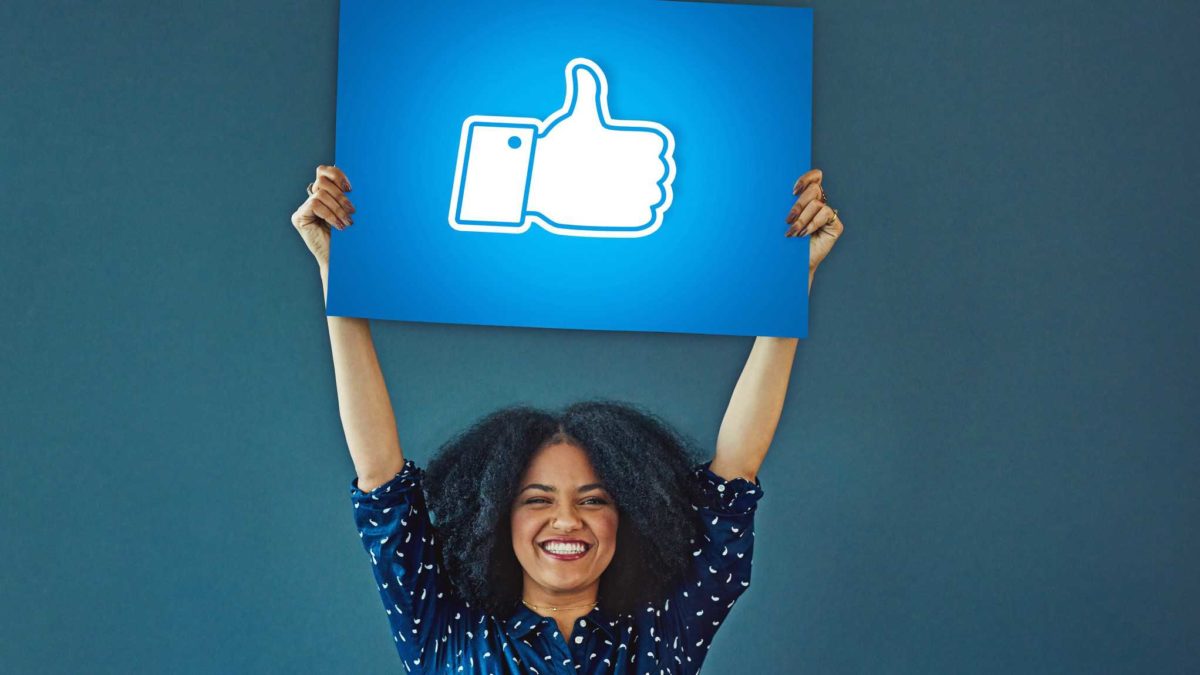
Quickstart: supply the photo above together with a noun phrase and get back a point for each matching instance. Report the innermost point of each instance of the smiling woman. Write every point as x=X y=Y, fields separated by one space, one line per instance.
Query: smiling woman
x=521 y=476
x=586 y=541
x=565 y=511
x=590 y=538
x=564 y=532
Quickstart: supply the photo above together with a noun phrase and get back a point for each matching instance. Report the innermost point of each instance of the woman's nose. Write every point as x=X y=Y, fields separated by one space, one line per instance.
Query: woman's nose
x=565 y=519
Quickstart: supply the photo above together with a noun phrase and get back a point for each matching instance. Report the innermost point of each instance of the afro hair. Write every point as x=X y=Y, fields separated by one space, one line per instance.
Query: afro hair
x=644 y=464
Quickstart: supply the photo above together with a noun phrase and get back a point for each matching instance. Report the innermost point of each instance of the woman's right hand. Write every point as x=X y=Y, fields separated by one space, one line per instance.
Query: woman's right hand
x=326 y=206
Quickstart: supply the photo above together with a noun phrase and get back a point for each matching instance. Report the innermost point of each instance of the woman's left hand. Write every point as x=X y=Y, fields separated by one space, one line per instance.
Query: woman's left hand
x=811 y=215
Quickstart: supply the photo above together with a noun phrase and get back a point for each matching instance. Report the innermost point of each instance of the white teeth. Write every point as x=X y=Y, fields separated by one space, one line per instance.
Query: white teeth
x=561 y=548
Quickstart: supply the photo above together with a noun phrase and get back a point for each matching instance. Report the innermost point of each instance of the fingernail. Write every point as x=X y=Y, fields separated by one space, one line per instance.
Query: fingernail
x=796 y=187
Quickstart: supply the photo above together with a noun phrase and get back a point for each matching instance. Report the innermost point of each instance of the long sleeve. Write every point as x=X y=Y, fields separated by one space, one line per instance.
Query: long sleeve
x=721 y=562
x=397 y=533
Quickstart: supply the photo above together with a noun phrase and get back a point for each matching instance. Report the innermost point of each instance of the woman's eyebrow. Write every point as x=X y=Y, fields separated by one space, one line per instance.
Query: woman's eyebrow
x=550 y=488
x=539 y=486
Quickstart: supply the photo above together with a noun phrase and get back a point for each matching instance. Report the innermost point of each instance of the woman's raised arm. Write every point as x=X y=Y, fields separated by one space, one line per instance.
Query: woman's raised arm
x=366 y=410
x=754 y=409
x=757 y=400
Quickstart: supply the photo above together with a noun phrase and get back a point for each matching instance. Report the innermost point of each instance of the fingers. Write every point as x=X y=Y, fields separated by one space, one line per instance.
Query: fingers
x=327 y=200
x=807 y=179
x=811 y=212
x=326 y=184
x=805 y=218
x=329 y=209
x=810 y=193
x=822 y=218
x=334 y=174
x=314 y=212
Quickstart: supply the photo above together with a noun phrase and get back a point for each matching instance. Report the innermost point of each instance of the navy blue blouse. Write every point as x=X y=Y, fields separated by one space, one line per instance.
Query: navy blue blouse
x=438 y=632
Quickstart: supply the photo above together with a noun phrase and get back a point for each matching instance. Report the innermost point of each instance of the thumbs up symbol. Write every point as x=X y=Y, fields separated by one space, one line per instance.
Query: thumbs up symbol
x=579 y=172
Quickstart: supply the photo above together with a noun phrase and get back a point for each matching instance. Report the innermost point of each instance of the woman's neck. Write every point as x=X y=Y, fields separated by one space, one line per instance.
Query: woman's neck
x=564 y=608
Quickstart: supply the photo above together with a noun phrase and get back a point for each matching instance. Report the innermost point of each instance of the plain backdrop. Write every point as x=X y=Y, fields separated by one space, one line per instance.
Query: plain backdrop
x=987 y=462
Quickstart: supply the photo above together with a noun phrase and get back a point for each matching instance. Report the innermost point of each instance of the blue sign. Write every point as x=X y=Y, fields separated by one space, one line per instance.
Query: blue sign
x=617 y=165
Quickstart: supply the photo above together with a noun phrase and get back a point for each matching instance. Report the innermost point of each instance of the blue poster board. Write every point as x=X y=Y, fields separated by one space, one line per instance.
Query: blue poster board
x=618 y=165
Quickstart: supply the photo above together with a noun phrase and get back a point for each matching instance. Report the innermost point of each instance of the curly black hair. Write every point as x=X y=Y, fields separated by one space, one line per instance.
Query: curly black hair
x=644 y=464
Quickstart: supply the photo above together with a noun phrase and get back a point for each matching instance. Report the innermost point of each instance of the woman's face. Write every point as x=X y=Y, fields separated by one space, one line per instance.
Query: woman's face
x=564 y=523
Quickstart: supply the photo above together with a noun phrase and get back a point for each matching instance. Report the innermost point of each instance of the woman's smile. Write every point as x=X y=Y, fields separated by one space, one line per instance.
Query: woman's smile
x=561 y=548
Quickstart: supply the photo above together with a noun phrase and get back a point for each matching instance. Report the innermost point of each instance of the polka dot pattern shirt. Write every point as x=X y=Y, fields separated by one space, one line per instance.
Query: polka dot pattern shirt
x=435 y=631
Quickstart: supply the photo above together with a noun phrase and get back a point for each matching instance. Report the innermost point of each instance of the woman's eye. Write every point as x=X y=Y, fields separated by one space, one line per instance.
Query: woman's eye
x=590 y=501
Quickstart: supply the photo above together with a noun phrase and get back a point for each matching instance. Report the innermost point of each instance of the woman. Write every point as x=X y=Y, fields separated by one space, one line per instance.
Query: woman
x=584 y=542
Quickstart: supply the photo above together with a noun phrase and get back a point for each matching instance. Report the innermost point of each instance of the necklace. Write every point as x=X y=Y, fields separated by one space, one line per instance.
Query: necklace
x=555 y=609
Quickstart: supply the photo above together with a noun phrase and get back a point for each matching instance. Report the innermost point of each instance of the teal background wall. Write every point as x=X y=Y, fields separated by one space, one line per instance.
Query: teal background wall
x=988 y=460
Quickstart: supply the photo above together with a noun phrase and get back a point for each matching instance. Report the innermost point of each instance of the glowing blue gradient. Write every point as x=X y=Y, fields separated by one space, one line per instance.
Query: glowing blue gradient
x=732 y=82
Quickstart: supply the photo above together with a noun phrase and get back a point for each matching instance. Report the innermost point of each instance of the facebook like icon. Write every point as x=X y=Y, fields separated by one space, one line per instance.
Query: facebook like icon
x=579 y=172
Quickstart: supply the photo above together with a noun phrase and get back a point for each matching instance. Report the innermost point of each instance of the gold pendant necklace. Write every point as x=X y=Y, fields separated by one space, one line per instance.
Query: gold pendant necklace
x=555 y=609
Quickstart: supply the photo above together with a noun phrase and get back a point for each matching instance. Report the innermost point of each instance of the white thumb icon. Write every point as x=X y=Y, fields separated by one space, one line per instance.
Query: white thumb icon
x=578 y=172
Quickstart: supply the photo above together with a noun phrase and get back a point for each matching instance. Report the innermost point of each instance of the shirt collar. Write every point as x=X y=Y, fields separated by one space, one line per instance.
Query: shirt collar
x=596 y=617
x=524 y=621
